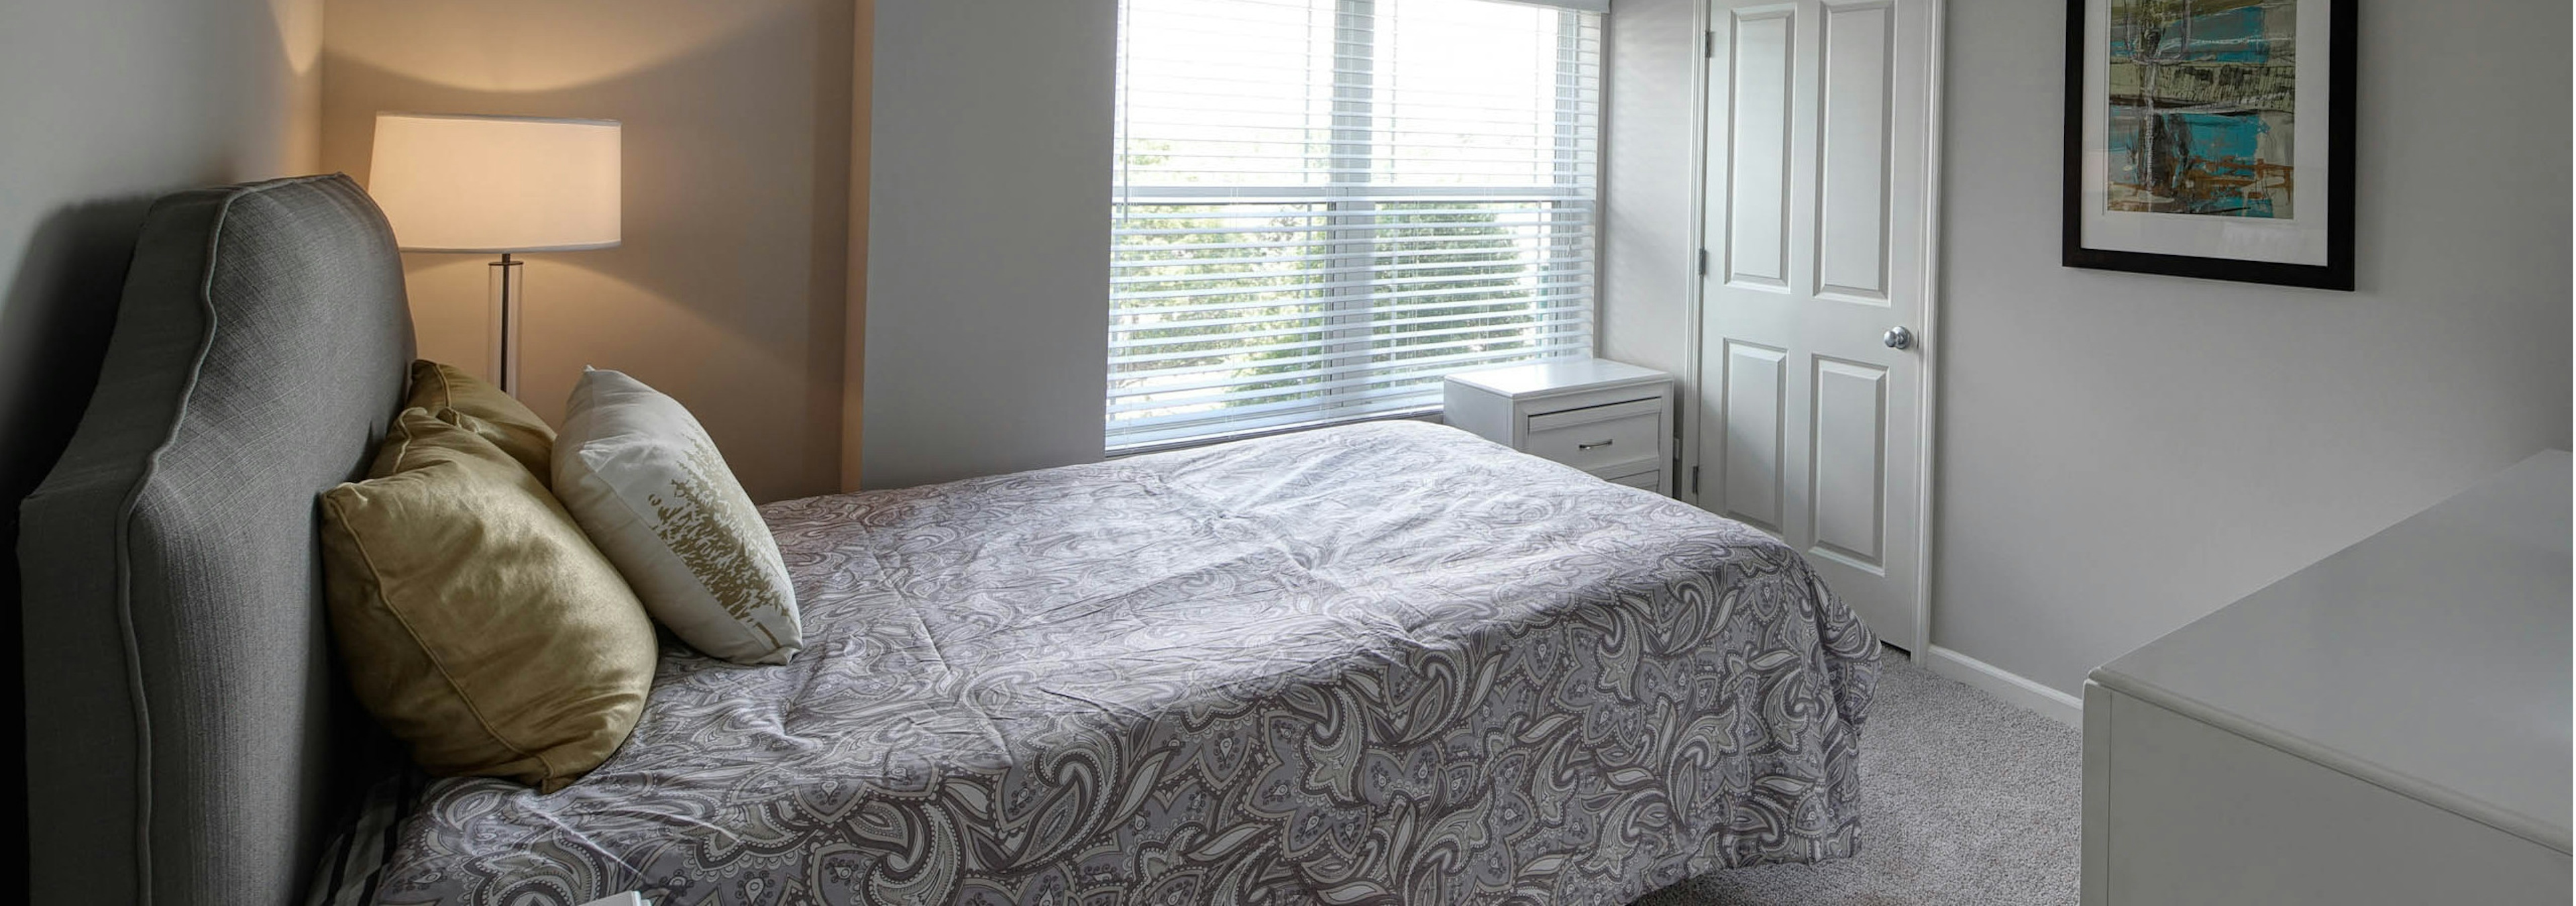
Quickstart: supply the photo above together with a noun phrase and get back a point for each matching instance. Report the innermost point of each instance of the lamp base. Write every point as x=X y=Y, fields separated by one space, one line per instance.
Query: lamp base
x=505 y=293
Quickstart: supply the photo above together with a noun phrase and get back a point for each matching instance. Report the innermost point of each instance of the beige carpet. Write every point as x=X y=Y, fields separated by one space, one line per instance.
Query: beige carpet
x=1965 y=800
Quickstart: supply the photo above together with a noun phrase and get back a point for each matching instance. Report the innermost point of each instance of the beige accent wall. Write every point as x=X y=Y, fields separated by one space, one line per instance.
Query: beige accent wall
x=730 y=290
x=854 y=336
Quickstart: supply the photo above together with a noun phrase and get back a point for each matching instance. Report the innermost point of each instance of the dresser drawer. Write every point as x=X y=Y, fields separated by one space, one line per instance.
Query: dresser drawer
x=1601 y=439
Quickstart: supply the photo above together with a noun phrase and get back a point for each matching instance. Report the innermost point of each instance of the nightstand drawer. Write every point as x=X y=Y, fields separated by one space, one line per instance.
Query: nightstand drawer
x=1612 y=420
x=1599 y=437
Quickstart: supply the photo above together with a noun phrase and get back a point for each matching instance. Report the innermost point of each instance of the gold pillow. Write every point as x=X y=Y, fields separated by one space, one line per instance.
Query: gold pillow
x=477 y=622
x=468 y=402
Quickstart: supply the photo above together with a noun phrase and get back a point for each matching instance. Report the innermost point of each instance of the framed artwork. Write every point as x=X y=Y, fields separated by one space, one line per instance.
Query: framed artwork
x=2211 y=138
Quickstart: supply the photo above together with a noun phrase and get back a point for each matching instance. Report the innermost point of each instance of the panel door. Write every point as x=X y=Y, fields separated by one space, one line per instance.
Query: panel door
x=1815 y=252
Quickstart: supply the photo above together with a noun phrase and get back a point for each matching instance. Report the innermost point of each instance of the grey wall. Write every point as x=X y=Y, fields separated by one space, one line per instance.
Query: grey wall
x=988 y=237
x=730 y=289
x=2120 y=454
x=1647 y=170
x=105 y=105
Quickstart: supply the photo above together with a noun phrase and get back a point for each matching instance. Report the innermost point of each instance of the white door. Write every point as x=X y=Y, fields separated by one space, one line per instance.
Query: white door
x=1816 y=241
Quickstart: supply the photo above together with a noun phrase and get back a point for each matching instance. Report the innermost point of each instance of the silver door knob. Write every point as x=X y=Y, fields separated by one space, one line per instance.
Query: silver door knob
x=1899 y=338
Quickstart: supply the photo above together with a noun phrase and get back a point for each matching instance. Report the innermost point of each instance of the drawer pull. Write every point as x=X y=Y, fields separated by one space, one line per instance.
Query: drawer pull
x=1603 y=443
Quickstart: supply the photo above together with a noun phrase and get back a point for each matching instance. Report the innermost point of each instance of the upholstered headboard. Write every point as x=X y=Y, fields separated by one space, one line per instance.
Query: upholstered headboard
x=189 y=741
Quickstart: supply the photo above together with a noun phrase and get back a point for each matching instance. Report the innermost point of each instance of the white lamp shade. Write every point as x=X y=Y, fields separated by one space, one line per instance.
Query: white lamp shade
x=458 y=183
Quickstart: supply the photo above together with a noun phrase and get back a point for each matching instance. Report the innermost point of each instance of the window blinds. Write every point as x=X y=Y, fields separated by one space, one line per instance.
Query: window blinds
x=1321 y=207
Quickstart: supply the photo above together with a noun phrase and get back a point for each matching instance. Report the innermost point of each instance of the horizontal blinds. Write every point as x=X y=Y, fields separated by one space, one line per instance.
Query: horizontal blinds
x=1322 y=207
x=1598 y=6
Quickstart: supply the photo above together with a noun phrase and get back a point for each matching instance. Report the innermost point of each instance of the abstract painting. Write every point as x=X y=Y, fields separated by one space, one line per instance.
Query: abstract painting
x=2203 y=96
x=2211 y=138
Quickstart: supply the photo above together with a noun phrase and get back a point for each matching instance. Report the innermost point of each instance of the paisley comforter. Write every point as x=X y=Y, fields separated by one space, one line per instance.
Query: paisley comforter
x=1389 y=663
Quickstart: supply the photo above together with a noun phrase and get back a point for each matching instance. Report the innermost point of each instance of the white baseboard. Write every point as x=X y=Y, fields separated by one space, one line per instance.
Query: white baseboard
x=2006 y=685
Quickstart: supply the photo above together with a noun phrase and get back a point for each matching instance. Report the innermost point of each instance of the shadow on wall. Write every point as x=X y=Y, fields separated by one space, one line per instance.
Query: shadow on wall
x=54 y=324
x=729 y=289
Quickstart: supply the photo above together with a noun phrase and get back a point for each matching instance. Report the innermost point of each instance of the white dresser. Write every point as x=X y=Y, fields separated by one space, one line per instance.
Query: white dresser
x=1610 y=419
x=2389 y=725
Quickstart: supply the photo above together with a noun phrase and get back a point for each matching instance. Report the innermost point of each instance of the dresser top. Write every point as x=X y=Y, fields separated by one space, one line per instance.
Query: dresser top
x=1561 y=376
x=2431 y=659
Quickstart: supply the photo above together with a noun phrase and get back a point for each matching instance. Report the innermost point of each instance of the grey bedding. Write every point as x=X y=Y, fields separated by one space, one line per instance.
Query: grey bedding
x=1386 y=663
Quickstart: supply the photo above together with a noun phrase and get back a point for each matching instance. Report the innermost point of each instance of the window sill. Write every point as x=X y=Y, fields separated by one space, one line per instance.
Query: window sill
x=1425 y=413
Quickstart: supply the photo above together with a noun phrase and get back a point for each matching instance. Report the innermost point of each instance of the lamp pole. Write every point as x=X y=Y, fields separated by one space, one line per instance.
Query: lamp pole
x=505 y=323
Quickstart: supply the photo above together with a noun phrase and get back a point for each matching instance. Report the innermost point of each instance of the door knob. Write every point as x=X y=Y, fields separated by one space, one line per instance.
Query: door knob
x=1899 y=338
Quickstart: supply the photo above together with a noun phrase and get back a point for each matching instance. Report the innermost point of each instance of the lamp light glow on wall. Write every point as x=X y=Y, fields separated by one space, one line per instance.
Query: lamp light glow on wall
x=498 y=184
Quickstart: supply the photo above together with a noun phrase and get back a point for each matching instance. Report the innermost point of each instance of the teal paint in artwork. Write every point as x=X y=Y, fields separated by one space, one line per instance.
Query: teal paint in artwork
x=2201 y=107
x=2233 y=36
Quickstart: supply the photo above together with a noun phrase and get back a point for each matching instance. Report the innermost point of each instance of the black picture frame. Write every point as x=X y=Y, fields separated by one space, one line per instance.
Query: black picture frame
x=2336 y=274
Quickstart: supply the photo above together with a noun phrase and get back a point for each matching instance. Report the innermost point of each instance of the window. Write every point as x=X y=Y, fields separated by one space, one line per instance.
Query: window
x=1321 y=207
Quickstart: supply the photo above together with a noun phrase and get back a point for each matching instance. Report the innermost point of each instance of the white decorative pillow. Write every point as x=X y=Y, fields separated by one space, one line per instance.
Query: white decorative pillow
x=648 y=486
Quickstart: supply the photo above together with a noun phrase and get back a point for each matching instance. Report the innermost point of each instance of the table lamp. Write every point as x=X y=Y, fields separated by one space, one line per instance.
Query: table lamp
x=497 y=184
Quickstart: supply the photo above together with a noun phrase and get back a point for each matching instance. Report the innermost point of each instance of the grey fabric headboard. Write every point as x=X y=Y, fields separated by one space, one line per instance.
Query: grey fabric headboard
x=188 y=738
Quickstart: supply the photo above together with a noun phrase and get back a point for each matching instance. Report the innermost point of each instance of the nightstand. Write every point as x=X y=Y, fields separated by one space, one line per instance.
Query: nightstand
x=1610 y=419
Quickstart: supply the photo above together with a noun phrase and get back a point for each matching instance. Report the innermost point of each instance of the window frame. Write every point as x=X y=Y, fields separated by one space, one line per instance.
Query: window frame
x=1351 y=202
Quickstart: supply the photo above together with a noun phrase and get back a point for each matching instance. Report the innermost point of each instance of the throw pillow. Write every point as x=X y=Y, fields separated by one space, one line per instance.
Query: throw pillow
x=477 y=623
x=475 y=405
x=645 y=481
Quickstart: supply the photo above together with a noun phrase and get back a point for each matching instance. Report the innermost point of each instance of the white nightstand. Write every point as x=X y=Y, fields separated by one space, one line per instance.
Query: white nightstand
x=1612 y=420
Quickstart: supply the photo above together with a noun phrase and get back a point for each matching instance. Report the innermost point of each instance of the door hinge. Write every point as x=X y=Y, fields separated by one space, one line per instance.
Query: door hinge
x=1709 y=47
x=1703 y=262
x=1694 y=479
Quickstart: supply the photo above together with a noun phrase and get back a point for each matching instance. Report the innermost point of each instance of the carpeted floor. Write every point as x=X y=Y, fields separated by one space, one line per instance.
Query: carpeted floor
x=1965 y=800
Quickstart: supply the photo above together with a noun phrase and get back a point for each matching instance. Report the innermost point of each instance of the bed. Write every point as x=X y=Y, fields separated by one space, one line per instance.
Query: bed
x=1385 y=663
